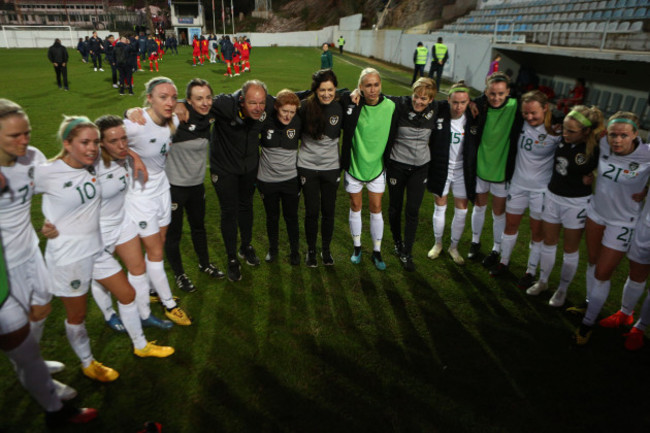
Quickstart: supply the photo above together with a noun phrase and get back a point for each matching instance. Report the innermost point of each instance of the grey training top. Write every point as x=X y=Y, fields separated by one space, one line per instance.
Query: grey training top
x=411 y=146
x=187 y=161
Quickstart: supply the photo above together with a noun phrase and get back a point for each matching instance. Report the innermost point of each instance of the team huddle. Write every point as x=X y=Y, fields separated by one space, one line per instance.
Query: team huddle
x=122 y=186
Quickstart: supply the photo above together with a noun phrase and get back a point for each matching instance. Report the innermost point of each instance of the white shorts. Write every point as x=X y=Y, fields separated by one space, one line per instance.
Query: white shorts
x=73 y=279
x=571 y=212
x=377 y=185
x=640 y=247
x=455 y=182
x=615 y=237
x=520 y=199
x=497 y=189
x=106 y=265
x=29 y=283
x=150 y=213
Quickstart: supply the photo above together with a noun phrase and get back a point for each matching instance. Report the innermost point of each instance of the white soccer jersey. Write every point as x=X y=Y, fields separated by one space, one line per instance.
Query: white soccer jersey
x=456 y=144
x=71 y=201
x=618 y=178
x=114 y=181
x=19 y=239
x=535 y=152
x=151 y=142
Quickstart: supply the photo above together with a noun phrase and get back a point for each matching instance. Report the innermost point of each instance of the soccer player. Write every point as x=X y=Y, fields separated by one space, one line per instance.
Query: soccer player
x=71 y=203
x=500 y=119
x=148 y=203
x=236 y=55
x=367 y=129
x=196 y=50
x=533 y=170
x=245 y=54
x=567 y=198
x=186 y=166
x=623 y=172
x=24 y=303
x=453 y=167
x=205 y=49
x=318 y=162
x=227 y=50
x=277 y=175
x=152 y=53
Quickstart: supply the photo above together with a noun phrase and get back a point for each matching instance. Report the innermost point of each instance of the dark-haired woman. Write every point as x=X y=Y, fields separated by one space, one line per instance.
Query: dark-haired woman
x=318 y=162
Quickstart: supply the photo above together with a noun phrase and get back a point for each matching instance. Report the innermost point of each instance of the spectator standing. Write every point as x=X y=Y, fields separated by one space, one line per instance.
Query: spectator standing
x=439 y=56
x=341 y=43
x=494 y=65
x=58 y=55
x=96 y=47
x=109 y=49
x=326 y=61
x=83 y=50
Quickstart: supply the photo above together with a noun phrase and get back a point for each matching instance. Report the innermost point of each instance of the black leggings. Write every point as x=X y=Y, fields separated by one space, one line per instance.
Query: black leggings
x=287 y=192
x=235 y=192
x=61 y=71
x=97 y=58
x=191 y=198
x=412 y=179
x=319 y=189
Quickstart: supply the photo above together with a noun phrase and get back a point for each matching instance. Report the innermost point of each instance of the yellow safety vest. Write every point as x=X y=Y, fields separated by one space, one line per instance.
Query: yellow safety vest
x=421 y=57
x=441 y=50
x=341 y=41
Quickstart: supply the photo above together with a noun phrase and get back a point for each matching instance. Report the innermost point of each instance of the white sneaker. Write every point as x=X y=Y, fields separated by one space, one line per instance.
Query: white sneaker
x=455 y=256
x=434 y=252
x=558 y=298
x=115 y=86
x=537 y=288
x=95 y=69
x=55 y=366
x=63 y=391
x=101 y=69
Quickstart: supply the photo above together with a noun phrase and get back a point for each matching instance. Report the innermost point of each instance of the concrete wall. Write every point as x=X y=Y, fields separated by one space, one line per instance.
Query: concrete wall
x=29 y=38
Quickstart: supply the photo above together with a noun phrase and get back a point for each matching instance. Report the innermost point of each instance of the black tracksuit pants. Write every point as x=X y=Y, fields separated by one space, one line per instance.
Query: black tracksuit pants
x=286 y=193
x=319 y=189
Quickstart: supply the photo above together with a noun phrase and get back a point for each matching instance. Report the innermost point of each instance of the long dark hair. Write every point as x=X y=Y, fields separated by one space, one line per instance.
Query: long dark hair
x=314 y=121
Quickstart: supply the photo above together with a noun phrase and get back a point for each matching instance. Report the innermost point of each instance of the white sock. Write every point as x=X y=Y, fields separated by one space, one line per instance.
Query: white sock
x=546 y=261
x=78 y=338
x=569 y=268
x=355 y=227
x=533 y=257
x=632 y=291
x=507 y=245
x=131 y=320
x=478 y=219
x=158 y=278
x=498 y=226
x=597 y=299
x=376 y=230
x=457 y=225
x=141 y=285
x=591 y=270
x=33 y=374
x=103 y=299
x=36 y=329
x=644 y=318
x=439 y=222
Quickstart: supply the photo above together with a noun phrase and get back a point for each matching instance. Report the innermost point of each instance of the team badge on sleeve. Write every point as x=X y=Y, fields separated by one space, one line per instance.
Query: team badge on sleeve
x=393 y=181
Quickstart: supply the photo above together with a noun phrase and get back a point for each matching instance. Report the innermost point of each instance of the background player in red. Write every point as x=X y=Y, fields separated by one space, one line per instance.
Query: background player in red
x=196 y=50
x=205 y=50
x=245 y=54
x=159 y=42
x=236 y=55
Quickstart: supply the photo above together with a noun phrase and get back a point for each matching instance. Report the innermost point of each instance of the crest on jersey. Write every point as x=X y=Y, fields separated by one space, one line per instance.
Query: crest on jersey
x=269 y=134
x=335 y=119
x=429 y=115
x=473 y=130
x=634 y=166
x=75 y=284
x=393 y=181
x=30 y=172
x=214 y=178
x=153 y=140
x=263 y=117
x=581 y=159
x=174 y=206
x=541 y=137
x=192 y=127
x=68 y=184
x=291 y=133
x=109 y=176
x=303 y=180
x=143 y=224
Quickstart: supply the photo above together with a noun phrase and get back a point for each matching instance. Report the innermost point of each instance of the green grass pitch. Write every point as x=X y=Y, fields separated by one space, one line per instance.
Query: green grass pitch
x=341 y=349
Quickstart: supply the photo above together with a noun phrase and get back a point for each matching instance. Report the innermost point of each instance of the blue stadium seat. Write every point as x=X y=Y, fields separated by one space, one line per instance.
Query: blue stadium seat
x=582 y=26
x=636 y=26
x=612 y=26
x=611 y=4
x=621 y=3
x=628 y=13
x=604 y=100
x=640 y=107
x=628 y=103
x=643 y=3
x=614 y=104
x=617 y=13
x=601 y=5
x=640 y=13
x=592 y=97
x=591 y=26
x=623 y=27
x=598 y=15
x=587 y=15
x=607 y=15
x=631 y=3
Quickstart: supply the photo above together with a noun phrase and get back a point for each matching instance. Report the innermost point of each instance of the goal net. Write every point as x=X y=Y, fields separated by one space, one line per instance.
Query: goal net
x=37 y=36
